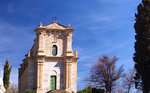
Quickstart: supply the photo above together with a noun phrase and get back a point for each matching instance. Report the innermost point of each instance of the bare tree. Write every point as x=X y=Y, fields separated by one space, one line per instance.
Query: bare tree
x=128 y=80
x=13 y=88
x=104 y=73
x=119 y=88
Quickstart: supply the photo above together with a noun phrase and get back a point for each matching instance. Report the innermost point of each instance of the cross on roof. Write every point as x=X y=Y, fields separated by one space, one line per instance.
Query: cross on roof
x=55 y=18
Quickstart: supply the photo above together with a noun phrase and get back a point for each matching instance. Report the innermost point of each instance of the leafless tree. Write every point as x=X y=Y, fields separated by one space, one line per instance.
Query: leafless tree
x=13 y=88
x=104 y=73
x=128 y=80
x=119 y=88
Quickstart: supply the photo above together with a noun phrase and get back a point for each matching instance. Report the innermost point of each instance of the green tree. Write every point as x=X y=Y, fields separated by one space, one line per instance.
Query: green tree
x=6 y=76
x=142 y=46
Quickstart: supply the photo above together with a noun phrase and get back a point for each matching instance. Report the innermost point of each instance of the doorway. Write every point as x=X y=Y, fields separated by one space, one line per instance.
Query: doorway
x=53 y=83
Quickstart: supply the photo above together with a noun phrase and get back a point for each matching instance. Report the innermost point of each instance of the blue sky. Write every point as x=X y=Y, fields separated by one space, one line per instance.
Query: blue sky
x=102 y=27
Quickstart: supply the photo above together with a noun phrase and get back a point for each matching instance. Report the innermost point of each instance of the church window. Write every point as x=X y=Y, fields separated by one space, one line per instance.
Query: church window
x=54 y=50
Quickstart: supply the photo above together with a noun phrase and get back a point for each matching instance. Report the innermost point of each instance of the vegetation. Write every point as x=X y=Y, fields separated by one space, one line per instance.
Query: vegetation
x=6 y=76
x=142 y=46
x=13 y=88
x=89 y=90
x=104 y=73
x=86 y=90
x=128 y=81
x=30 y=91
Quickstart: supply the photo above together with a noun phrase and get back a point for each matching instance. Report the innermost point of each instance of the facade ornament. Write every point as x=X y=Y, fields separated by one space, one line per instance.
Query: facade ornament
x=40 y=24
x=69 y=26
x=52 y=52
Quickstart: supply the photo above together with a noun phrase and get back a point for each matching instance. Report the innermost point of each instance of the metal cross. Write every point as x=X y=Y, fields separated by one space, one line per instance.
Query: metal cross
x=55 y=18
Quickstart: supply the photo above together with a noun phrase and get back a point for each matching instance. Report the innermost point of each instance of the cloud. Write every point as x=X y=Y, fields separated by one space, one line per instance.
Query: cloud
x=104 y=17
x=15 y=41
x=104 y=48
x=89 y=56
x=13 y=35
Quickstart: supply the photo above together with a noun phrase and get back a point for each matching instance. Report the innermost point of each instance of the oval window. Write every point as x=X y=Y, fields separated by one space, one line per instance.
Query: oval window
x=54 y=50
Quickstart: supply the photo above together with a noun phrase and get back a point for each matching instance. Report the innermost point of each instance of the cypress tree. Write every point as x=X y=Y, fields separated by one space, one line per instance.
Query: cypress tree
x=6 y=76
x=142 y=46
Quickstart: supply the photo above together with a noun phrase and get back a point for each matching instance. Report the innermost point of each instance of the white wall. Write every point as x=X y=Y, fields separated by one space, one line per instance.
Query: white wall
x=53 y=68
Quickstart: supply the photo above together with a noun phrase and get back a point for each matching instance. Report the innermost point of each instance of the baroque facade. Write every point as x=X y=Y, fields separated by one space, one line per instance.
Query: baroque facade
x=51 y=63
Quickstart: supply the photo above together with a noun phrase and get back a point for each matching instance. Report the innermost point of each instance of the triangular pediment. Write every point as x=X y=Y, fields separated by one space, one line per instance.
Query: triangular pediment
x=55 y=25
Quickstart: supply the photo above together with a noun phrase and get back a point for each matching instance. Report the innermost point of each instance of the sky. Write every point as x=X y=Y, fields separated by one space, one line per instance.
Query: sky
x=102 y=27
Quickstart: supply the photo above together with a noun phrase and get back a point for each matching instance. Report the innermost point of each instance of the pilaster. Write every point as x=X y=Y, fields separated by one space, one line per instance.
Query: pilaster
x=68 y=38
x=67 y=74
x=39 y=77
x=41 y=44
x=41 y=52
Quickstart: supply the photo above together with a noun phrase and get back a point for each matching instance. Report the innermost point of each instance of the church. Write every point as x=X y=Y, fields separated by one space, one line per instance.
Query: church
x=50 y=64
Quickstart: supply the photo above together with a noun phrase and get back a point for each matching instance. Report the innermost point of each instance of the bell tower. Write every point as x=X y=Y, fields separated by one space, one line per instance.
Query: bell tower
x=51 y=63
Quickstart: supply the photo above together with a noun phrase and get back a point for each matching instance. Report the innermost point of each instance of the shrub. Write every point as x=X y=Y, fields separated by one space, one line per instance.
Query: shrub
x=30 y=91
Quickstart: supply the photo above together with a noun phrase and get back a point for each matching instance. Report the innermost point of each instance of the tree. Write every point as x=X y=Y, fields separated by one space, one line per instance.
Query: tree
x=90 y=89
x=142 y=46
x=13 y=88
x=119 y=88
x=104 y=73
x=86 y=90
x=128 y=80
x=6 y=76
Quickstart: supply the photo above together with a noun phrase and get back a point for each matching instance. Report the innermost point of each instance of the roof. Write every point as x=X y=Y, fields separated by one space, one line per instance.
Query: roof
x=54 y=25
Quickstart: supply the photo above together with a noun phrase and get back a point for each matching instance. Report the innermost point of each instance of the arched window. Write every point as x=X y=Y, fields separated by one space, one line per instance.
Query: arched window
x=54 y=50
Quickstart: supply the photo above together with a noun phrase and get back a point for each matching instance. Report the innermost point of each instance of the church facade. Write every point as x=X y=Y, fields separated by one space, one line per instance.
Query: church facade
x=51 y=63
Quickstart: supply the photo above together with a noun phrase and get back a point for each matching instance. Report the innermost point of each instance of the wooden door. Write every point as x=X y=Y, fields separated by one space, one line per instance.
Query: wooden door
x=53 y=83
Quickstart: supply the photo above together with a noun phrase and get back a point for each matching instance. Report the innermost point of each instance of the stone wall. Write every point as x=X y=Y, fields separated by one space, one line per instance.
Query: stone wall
x=31 y=76
x=23 y=81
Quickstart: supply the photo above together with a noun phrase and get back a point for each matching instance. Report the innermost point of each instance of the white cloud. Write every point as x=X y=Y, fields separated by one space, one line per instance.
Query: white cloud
x=97 y=17
x=13 y=35
x=12 y=38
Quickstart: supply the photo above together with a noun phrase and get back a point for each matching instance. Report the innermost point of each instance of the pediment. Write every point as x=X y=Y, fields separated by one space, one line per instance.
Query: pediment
x=55 y=25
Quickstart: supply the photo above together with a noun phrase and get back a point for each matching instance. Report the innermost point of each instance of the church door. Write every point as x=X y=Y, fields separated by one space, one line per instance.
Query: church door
x=53 y=83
